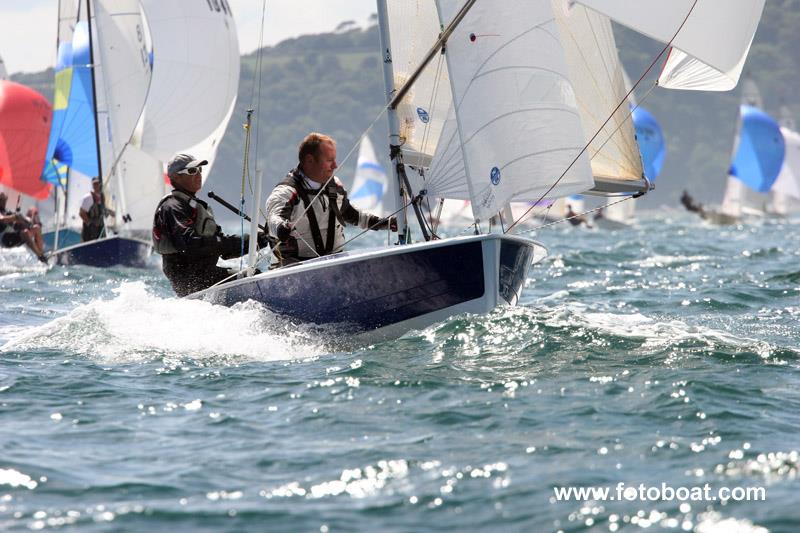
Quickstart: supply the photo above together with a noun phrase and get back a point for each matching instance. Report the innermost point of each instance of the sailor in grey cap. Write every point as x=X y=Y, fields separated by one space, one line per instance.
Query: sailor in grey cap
x=186 y=234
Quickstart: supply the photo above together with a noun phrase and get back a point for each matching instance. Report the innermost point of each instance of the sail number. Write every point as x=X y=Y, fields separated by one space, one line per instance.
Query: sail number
x=219 y=6
x=144 y=56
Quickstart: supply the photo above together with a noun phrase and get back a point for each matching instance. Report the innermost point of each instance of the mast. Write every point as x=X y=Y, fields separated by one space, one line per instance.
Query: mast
x=94 y=106
x=394 y=126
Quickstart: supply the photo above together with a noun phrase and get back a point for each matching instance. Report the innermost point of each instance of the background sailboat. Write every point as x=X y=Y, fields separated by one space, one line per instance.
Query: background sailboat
x=758 y=155
x=158 y=91
x=369 y=182
x=785 y=192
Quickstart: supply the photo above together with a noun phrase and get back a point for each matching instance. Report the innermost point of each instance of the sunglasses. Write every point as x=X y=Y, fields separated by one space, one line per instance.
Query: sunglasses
x=191 y=171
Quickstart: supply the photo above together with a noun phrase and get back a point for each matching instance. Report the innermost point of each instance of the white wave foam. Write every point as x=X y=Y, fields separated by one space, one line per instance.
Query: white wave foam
x=14 y=261
x=660 y=261
x=137 y=325
x=655 y=333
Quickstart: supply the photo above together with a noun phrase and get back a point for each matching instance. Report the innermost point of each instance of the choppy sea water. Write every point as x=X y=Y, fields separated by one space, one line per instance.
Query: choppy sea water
x=666 y=353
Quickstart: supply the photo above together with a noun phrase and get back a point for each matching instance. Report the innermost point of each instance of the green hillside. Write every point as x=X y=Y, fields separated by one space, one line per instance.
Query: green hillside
x=333 y=83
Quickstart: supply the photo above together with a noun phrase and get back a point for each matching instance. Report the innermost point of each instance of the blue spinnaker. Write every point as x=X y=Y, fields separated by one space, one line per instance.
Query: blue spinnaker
x=651 y=142
x=761 y=150
x=72 y=142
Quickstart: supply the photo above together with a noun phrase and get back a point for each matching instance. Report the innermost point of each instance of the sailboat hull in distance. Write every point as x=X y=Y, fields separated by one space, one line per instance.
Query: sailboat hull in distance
x=380 y=294
x=106 y=252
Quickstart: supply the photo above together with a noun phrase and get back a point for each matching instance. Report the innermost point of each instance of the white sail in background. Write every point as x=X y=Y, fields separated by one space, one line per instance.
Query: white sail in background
x=141 y=181
x=785 y=191
x=710 y=49
x=122 y=58
x=422 y=112
x=207 y=148
x=370 y=181
x=738 y=198
x=518 y=122
x=195 y=74
x=599 y=82
x=622 y=212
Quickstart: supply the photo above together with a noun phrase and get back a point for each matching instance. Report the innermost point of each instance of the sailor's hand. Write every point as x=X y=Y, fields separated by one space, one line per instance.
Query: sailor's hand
x=263 y=240
x=393 y=224
x=284 y=230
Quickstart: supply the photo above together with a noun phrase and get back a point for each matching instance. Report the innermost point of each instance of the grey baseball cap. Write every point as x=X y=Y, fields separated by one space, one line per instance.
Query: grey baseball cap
x=182 y=161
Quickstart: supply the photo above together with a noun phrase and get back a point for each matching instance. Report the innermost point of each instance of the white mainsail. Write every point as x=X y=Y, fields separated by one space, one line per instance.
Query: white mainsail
x=122 y=61
x=710 y=38
x=518 y=123
x=123 y=76
x=195 y=74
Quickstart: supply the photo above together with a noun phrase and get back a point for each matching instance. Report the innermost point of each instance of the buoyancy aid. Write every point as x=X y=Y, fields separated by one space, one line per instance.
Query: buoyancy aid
x=202 y=221
x=331 y=194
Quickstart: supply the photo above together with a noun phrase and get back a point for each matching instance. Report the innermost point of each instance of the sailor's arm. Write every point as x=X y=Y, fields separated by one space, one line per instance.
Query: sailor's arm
x=355 y=217
x=280 y=204
x=178 y=224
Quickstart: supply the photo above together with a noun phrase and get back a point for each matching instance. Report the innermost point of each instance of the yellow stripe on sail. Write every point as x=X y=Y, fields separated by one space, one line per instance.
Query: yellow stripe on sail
x=63 y=86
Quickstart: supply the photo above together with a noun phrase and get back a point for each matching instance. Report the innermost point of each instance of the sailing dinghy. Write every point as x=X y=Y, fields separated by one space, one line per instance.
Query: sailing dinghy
x=484 y=105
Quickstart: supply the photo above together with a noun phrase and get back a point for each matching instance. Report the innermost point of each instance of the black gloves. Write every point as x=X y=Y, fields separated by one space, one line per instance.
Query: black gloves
x=263 y=240
x=283 y=231
x=376 y=223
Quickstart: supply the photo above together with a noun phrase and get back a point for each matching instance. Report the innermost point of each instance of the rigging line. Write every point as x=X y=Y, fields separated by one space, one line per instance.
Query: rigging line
x=559 y=221
x=387 y=217
x=625 y=99
x=630 y=114
x=260 y=72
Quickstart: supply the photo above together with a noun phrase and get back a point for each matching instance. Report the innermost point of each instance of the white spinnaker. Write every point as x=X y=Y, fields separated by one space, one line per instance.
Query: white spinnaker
x=599 y=82
x=207 y=148
x=195 y=74
x=786 y=189
x=121 y=53
x=414 y=27
x=709 y=50
x=518 y=122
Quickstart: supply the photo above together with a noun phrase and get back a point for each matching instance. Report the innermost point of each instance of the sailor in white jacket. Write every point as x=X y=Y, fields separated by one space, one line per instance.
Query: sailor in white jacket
x=298 y=233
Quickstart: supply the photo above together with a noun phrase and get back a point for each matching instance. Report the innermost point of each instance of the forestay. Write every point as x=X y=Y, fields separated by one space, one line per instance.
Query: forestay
x=518 y=123
x=713 y=42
